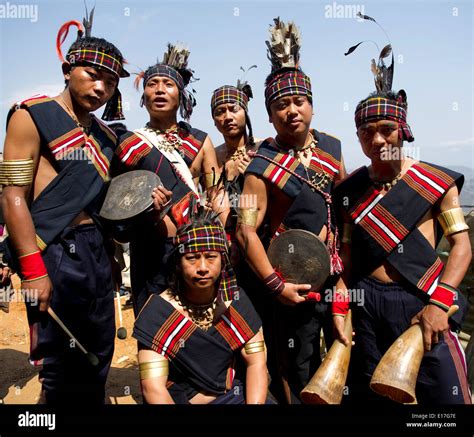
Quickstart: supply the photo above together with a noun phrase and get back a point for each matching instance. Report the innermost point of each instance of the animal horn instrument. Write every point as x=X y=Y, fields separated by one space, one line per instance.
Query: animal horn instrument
x=395 y=375
x=327 y=384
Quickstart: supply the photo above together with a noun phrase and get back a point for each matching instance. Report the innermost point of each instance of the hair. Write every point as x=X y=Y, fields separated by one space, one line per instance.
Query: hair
x=95 y=43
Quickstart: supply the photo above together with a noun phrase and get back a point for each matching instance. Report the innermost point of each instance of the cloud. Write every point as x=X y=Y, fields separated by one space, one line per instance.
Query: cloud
x=48 y=89
x=464 y=142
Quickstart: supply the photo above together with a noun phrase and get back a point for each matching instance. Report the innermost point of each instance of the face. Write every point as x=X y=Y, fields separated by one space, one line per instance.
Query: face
x=380 y=140
x=161 y=95
x=201 y=270
x=229 y=119
x=291 y=115
x=90 y=87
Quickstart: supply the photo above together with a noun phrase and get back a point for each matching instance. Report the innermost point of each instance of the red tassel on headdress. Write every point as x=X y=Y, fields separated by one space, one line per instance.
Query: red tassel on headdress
x=138 y=79
x=62 y=35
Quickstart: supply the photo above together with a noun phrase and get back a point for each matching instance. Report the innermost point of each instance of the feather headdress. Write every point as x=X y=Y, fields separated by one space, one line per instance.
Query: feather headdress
x=383 y=75
x=284 y=45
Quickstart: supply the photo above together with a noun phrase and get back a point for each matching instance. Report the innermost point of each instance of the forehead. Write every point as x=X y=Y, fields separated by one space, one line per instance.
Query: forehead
x=378 y=123
x=228 y=105
x=101 y=72
x=159 y=78
x=290 y=99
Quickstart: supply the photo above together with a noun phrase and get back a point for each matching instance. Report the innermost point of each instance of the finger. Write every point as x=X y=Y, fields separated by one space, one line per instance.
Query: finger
x=434 y=338
x=427 y=341
x=166 y=192
x=303 y=287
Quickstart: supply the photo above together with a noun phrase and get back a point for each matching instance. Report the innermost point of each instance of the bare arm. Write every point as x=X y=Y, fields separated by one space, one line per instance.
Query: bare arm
x=154 y=389
x=257 y=374
x=23 y=142
x=433 y=319
x=251 y=245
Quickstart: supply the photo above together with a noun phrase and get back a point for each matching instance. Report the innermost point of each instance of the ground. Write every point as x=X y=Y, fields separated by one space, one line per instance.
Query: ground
x=19 y=380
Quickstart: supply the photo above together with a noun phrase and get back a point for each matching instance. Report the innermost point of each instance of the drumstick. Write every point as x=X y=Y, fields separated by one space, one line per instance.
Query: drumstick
x=121 y=332
x=92 y=358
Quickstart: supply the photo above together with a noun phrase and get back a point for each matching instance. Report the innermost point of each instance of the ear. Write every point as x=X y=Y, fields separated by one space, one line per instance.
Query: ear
x=66 y=68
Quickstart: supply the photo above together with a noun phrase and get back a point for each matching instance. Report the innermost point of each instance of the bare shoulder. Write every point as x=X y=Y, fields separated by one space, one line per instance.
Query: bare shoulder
x=22 y=139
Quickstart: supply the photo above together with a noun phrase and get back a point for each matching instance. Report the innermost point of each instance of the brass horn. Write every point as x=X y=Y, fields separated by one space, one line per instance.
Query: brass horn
x=395 y=375
x=327 y=384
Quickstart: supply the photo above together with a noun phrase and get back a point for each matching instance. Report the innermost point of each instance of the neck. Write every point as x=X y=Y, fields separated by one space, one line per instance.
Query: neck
x=80 y=113
x=387 y=170
x=201 y=296
x=298 y=141
x=163 y=123
x=234 y=143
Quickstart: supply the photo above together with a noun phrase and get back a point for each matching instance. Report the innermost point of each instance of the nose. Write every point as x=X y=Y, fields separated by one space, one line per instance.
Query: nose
x=378 y=138
x=291 y=110
x=160 y=88
x=99 y=88
x=202 y=266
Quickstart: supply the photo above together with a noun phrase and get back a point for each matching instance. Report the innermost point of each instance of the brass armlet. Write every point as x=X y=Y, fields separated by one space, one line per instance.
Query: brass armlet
x=211 y=179
x=452 y=221
x=347 y=233
x=254 y=347
x=153 y=369
x=247 y=216
x=17 y=172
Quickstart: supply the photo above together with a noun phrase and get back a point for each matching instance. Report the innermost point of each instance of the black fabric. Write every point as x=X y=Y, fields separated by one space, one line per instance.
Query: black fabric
x=378 y=321
x=83 y=298
x=203 y=363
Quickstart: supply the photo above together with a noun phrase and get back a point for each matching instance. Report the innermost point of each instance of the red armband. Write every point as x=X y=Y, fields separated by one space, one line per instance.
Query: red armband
x=340 y=303
x=443 y=296
x=32 y=266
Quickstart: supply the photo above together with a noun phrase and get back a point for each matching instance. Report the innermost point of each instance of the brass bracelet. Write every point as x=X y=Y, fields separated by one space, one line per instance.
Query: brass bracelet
x=347 y=233
x=254 y=347
x=211 y=179
x=17 y=172
x=154 y=369
x=452 y=221
x=247 y=216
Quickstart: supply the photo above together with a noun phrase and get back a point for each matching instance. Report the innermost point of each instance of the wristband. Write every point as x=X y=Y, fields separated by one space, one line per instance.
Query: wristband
x=443 y=296
x=275 y=283
x=32 y=266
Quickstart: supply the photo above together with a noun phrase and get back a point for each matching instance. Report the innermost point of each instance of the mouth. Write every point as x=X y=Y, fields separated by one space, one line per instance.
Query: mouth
x=294 y=122
x=202 y=280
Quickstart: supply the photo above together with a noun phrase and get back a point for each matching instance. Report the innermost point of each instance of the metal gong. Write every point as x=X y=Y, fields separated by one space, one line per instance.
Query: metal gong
x=129 y=195
x=300 y=257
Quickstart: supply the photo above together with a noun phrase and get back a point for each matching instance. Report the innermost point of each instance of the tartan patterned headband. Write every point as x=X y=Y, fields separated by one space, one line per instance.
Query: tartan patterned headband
x=164 y=70
x=210 y=238
x=288 y=83
x=96 y=57
x=380 y=108
x=202 y=239
x=229 y=94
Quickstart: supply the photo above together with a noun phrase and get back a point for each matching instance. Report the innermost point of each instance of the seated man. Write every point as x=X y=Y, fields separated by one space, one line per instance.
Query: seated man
x=191 y=334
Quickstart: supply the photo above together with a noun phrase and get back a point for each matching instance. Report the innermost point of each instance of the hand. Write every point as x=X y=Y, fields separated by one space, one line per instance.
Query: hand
x=243 y=163
x=161 y=198
x=290 y=296
x=433 y=321
x=339 y=322
x=5 y=275
x=40 y=290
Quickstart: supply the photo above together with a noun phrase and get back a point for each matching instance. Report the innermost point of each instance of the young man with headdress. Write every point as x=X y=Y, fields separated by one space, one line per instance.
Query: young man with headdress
x=193 y=335
x=176 y=151
x=396 y=211
x=292 y=177
x=57 y=158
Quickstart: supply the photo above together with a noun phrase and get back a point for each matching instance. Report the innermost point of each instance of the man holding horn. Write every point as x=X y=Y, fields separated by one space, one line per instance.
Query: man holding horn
x=395 y=212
